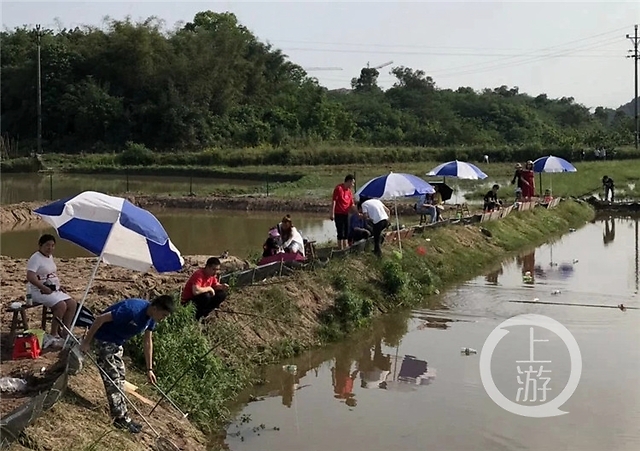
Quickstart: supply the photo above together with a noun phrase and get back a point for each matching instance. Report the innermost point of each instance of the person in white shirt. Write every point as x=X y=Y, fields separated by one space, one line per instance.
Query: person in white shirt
x=292 y=241
x=378 y=213
x=44 y=285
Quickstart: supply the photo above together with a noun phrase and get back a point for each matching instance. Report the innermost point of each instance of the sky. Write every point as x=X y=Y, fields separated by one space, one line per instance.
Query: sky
x=564 y=49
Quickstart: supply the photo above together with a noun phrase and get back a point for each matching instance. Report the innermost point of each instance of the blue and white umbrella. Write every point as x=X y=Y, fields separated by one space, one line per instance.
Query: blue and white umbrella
x=115 y=230
x=392 y=186
x=553 y=164
x=458 y=169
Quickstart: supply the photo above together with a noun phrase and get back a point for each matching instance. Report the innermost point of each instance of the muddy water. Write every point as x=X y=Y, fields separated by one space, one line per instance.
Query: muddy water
x=193 y=232
x=363 y=395
x=34 y=187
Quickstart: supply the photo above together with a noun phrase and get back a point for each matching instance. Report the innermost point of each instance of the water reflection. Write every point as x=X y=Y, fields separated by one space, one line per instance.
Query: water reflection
x=193 y=232
x=609 y=233
x=342 y=378
x=492 y=277
x=527 y=263
x=389 y=364
x=374 y=369
x=34 y=187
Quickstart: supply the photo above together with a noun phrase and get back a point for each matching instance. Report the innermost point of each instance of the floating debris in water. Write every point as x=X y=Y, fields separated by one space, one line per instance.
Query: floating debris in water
x=292 y=369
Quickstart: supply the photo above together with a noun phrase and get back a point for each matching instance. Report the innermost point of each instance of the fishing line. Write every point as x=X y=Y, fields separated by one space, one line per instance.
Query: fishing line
x=162 y=443
x=620 y=306
x=199 y=359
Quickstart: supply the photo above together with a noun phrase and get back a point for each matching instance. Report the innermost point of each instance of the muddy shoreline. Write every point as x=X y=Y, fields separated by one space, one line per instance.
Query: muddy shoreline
x=12 y=214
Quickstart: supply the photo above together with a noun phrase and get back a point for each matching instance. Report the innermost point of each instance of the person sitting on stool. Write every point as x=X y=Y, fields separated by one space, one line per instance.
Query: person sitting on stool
x=204 y=290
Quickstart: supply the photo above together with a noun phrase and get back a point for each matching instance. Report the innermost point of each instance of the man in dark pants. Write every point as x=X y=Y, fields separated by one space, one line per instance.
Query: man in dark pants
x=378 y=213
x=204 y=290
x=111 y=330
x=341 y=204
x=609 y=188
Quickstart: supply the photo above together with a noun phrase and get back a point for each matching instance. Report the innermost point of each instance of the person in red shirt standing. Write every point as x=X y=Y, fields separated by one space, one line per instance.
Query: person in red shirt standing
x=204 y=289
x=340 y=207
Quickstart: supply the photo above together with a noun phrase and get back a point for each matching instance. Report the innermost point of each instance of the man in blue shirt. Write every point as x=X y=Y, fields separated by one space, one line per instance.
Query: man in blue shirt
x=117 y=324
x=358 y=227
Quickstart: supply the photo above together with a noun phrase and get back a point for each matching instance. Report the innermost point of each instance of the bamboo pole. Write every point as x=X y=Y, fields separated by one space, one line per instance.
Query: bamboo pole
x=620 y=306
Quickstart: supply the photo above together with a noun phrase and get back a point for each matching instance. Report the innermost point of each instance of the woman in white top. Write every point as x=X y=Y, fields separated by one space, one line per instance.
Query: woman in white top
x=375 y=210
x=44 y=284
x=291 y=237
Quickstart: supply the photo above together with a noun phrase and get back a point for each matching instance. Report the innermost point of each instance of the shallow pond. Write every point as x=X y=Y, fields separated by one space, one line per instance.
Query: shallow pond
x=194 y=232
x=364 y=395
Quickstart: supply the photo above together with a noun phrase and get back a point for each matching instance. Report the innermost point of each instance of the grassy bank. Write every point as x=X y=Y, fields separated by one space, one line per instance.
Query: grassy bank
x=332 y=154
x=312 y=308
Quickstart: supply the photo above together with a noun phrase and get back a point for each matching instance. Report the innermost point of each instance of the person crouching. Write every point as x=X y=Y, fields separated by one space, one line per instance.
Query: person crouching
x=204 y=289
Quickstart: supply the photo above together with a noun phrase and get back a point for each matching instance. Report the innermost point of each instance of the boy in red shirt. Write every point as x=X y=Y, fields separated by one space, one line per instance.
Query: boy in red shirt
x=204 y=290
x=340 y=206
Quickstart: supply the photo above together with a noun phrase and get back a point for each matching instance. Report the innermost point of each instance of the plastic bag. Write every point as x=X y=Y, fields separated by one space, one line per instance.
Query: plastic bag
x=12 y=384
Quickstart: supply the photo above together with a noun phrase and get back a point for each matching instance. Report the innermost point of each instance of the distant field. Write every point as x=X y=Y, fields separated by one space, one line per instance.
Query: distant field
x=313 y=182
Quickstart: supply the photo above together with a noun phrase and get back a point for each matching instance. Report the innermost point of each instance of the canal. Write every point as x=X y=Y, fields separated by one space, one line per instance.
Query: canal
x=405 y=385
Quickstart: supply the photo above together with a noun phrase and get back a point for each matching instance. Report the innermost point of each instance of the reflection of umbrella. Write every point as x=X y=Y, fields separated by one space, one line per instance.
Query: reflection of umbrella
x=458 y=169
x=115 y=230
x=392 y=186
x=445 y=190
x=407 y=373
x=552 y=164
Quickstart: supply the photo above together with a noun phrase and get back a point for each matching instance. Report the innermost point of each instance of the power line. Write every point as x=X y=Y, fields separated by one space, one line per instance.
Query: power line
x=635 y=56
x=396 y=52
x=557 y=54
x=376 y=45
x=486 y=67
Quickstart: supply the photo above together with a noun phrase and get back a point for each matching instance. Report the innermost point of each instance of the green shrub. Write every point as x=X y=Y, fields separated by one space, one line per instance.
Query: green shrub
x=208 y=382
x=135 y=154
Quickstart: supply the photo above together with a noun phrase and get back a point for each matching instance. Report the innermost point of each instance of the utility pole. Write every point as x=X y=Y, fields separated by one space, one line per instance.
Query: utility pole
x=38 y=42
x=635 y=56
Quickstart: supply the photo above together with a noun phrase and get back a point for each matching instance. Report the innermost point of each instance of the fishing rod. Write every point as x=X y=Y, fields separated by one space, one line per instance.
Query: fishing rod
x=198 y=360
x=233 y=312
x=619 y=306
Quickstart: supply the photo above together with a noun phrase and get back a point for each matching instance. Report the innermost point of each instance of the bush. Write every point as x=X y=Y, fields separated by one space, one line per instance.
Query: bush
x=136 y=155
x=208 y=382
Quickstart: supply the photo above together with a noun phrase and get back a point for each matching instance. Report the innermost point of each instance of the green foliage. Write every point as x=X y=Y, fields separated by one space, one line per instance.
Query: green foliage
x=135 y=155
x=212 y=84
x=209 y=382
x=394 y=278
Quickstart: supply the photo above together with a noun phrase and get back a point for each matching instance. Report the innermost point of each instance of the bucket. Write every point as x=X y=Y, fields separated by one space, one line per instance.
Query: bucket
x=38 y=333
